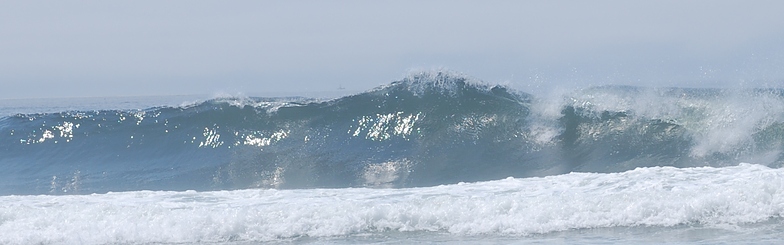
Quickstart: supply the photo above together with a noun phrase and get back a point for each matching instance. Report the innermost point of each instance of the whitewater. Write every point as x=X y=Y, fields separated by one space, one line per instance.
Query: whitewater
x=436 y=157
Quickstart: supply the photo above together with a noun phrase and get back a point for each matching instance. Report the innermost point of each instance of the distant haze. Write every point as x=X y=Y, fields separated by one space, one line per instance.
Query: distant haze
x=124 y=48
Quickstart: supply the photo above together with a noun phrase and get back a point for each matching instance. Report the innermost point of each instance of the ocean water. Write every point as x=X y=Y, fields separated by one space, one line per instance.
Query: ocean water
x=433 y=158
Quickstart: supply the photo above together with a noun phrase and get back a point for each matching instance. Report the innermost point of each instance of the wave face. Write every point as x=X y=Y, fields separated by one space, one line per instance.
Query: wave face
x=427 y=129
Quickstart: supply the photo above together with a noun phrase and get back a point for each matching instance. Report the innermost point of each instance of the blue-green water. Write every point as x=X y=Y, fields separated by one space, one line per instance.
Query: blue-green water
x=433 y=158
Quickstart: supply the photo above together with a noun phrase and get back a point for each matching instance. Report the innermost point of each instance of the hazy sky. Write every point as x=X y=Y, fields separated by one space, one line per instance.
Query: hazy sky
x=112 y=48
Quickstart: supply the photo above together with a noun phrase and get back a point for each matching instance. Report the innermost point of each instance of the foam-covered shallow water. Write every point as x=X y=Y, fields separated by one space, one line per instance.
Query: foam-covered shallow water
x=433 y=158
x=701 y=204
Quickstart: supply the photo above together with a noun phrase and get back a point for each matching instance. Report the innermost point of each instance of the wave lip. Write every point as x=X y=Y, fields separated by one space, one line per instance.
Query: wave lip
x=702 y=198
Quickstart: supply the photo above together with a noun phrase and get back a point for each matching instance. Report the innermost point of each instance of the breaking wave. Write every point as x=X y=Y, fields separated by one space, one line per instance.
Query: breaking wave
x=427 y=129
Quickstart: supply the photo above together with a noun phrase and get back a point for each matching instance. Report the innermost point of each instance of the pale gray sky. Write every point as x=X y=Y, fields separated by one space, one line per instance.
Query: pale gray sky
x=115 y=48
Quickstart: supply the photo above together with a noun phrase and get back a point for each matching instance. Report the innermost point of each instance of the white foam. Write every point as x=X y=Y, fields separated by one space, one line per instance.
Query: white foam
x=732 y=124
x=544 y=126
x=660 y=196
x=443 y=80
x=722 y=122
x=386 y=173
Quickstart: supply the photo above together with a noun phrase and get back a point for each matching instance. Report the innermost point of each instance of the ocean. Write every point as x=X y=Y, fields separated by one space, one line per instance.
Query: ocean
x=434 y=158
